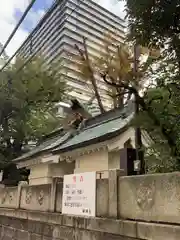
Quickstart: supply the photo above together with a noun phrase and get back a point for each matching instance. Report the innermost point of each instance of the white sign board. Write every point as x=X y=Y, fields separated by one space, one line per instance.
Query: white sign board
x=79 y=194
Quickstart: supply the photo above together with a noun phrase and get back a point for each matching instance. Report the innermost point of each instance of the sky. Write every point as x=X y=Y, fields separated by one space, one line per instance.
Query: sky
x=12 y=10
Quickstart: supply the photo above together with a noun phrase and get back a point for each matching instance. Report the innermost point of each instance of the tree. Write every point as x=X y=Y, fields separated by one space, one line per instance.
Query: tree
x=89 y=66
x=88 y=71
x=156 y=23
x=4 y=57
x=118 y=60
x=132 y=83
x=124 y=71
x=28 y=100
x=164 y=102
x=121 y=74
x=147 y=107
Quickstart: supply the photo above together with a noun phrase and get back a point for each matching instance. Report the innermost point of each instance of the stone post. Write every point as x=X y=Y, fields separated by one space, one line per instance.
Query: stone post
x=113 y=191
x=18 y=200
x=53 y=194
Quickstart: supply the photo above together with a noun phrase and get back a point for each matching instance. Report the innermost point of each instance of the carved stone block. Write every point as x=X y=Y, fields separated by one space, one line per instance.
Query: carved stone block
x=145 y=195
x=7 y=196
x=28 y=196
x=40 y=198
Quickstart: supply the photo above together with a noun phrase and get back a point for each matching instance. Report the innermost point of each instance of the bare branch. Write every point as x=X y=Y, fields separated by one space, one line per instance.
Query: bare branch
x=80 y=52
x=154 y=99
x=85 y=58
x=119 y=94
x=146 y=108
x=119 y=85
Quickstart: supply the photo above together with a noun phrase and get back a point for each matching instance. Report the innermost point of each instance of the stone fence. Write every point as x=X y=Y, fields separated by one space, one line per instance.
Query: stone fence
x=150 y=198
x=48 y=198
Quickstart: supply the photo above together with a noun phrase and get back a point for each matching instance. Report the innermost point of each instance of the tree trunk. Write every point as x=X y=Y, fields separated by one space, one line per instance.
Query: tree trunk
x=97 y=95
x=6 y=132
x=93 y=80
x=138 y=142
x=138 y=137
x=17 y=147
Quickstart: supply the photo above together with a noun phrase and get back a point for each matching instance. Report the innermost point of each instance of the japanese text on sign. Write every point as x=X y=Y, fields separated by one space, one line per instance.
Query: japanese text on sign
x=79 y=194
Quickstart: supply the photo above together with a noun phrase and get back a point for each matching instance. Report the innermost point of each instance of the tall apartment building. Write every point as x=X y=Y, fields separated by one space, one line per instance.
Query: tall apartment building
x=63 y=26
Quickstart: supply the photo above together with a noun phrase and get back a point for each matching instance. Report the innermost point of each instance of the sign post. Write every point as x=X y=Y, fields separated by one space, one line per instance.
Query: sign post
x=79 y=194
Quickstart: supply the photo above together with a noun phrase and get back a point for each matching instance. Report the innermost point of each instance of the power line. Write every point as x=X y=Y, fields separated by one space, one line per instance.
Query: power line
x=17 y=26
x=36 y=29
x=31 y=57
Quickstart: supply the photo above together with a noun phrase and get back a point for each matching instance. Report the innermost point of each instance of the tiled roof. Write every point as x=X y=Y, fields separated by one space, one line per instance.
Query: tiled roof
x=95 y=133
x=95 y=129
x=49 y=144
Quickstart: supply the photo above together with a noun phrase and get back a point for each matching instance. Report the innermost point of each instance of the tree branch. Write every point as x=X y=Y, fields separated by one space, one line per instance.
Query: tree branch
x=121 y=85
x=85 y=58
x=119 y=94
x=146 y=108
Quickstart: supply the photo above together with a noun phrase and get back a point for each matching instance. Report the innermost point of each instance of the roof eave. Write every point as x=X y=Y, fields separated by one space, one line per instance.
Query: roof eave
x=17 y=160
x=105 y=137
x=37 y=154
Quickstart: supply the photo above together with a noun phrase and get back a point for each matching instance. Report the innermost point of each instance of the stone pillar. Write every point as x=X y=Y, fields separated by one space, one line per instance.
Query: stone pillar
x=53 y=194
x=18 y=200
x=113 y=191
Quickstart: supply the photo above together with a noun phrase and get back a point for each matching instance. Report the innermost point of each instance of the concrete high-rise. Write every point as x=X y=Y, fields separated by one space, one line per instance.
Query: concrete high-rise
x=63 y=26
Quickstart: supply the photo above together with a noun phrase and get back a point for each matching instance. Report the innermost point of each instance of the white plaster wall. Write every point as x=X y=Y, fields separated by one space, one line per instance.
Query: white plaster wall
x=114 y=160
x=39 y=174
x=43 y=173
x=118 y=142
x=96 y=161
x=62 y=168
x=105 y=159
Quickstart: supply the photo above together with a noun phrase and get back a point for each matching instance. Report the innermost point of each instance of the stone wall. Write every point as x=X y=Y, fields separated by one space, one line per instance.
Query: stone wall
x=36 y=197
x=48 y=197
x=150 y=203
x=150 y=197
x=9 y=197
x=30 y=230
x=32 y=225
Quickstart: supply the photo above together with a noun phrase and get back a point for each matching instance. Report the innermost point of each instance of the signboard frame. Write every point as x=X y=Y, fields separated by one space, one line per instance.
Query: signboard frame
x=79 y=194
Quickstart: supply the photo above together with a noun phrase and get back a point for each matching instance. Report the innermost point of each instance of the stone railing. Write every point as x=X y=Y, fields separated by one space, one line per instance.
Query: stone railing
x=48 y=198
x=36 y=197
x=9 y=197
x=154 y=198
